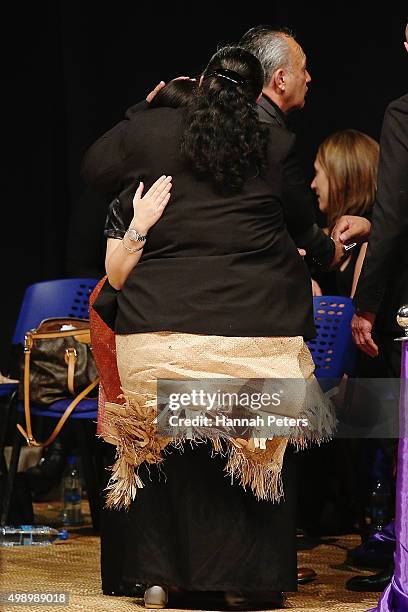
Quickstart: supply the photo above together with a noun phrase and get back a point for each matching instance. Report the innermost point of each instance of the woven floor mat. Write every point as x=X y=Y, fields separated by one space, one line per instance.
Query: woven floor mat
x=73 y=567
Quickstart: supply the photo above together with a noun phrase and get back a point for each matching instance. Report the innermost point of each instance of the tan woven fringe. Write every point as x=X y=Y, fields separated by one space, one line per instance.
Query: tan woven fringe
x=144 y=358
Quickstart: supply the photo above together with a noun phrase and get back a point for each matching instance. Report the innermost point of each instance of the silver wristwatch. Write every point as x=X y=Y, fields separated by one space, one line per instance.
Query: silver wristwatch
x=134 y=236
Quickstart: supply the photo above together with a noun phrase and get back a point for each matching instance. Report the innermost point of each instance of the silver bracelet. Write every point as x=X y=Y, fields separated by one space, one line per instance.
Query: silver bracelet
x=132 y=250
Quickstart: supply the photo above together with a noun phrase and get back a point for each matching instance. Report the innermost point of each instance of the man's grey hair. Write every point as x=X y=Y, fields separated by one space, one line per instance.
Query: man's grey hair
x=270 y=46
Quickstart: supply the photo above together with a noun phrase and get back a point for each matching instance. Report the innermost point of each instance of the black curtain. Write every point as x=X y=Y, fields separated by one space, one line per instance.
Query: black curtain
x=72 y=69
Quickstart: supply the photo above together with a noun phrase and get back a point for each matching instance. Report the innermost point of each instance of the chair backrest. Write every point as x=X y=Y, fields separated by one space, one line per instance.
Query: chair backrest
x=68 y=297
x=332 y=350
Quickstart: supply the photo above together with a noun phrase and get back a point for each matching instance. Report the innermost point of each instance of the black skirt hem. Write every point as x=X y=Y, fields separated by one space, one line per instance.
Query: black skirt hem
x=287 y=587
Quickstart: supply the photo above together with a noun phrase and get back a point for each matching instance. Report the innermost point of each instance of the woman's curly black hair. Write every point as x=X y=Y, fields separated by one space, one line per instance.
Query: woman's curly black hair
x=223 y=139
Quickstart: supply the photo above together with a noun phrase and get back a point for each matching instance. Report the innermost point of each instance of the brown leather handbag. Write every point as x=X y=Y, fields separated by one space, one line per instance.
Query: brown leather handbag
x=58 y=364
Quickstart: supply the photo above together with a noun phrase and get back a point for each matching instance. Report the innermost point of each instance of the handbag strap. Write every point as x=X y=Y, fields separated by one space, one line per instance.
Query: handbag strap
x=70 y=360
x=28 y=435
x=82 y=335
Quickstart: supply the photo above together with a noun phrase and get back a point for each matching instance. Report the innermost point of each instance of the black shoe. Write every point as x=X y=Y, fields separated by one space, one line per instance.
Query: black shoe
x=180 y=599
x=256 y=600
x=377 y=555
x=48 y=472
x=219 y=600
x=125 y=589
x=374 y=584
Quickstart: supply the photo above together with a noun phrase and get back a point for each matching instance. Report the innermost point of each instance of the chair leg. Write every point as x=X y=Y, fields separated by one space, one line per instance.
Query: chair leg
x=90 y=474
x=15 y=455
x=6 y=413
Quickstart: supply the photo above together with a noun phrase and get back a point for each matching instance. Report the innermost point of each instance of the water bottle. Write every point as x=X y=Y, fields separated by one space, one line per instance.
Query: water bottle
x=71 y=494
x=379 y=510
x=30 y=535
x=380 y=505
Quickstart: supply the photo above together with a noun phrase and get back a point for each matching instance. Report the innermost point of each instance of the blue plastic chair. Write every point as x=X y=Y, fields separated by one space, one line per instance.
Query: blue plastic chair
x=56 y=298
x=67 y=297
x=333 y=350
x=7 y=389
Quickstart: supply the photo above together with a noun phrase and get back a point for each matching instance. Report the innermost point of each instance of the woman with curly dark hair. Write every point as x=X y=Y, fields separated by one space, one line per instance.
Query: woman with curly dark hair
x=210 y=286
x=223 y=138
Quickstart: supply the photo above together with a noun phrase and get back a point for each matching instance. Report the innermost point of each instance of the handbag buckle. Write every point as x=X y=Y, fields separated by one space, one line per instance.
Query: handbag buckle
x=71 y=351
x=28 y=342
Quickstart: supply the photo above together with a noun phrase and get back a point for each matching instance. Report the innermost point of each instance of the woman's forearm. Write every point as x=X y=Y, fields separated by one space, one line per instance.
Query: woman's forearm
x=119 y=262
x=123 y=255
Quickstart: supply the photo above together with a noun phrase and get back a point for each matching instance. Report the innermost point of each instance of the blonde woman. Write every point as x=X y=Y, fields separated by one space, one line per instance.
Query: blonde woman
x=345 y=184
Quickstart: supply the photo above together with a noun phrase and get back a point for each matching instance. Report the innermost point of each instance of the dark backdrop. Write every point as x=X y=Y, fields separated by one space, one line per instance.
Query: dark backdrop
x=71 y=69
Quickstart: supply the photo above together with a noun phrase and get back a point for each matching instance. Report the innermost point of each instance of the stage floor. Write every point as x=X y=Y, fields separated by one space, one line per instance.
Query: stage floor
x=73 y=566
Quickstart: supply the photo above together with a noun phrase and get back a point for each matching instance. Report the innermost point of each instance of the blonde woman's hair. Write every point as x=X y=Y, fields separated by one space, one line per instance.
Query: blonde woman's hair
x=350 y=161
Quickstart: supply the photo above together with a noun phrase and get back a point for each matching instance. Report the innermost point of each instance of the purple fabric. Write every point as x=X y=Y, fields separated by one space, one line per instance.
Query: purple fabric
x=386 y=535
x=395 y=596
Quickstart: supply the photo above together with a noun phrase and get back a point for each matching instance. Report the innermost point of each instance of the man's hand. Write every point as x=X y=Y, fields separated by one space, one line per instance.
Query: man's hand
x=316 y=290
x=361 y=327
x=162 y=84
x=350 y=228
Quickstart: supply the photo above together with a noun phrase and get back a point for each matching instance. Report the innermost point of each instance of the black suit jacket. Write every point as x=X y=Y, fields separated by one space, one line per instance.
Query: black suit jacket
x=296 y=195
x=213 y=264
x=383 y=284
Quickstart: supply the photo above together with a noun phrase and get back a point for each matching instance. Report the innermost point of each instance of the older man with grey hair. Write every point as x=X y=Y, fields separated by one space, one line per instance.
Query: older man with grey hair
x=286 y=76
x=285 y=87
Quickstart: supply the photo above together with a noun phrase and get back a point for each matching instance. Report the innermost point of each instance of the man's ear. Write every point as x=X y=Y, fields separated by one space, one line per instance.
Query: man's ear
x=406 y=45
x=278 y=79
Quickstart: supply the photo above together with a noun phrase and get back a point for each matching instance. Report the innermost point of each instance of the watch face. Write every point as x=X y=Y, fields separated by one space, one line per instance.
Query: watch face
x=135 y=236
x=132 y=235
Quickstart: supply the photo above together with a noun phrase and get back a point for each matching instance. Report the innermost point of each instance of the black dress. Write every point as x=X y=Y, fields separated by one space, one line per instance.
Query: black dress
x=340 y=281
x=190 y=528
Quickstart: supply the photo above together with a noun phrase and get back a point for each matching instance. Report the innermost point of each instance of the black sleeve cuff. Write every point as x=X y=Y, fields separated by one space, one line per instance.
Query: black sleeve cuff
x=114 y=225
x=320 y=248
